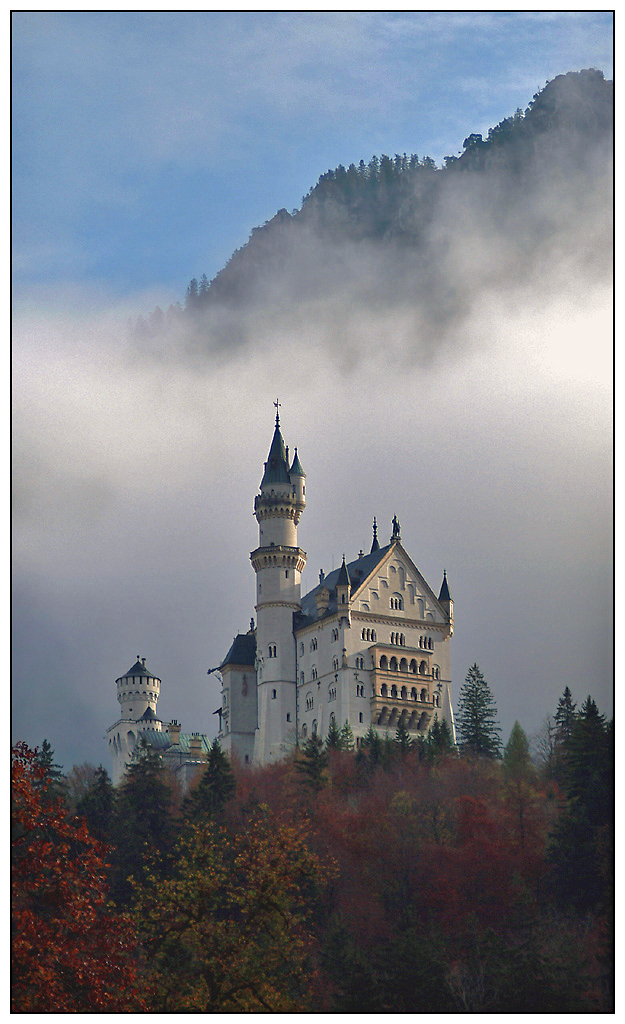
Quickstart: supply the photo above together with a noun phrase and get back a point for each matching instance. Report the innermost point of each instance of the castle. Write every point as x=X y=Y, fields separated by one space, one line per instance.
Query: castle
x=369 y=645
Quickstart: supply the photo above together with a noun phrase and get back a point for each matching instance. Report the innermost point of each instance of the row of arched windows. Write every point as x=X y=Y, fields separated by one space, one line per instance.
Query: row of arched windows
x=332 y=693
x=399 y=639
x=426 y=642
x=369 y=634
x=289 y=560
x=402 y=694
x=397 y=603
x=402 y=666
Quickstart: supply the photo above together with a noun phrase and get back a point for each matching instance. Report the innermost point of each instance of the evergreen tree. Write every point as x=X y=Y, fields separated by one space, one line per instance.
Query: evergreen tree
x=333 y=739
x=51 y=778
x=438 y=742
x=347 y=737
x=215 y=788
x=142 y=823
x=96 y=806
x=516 y=756
x=477 y=717
x=312 y=762
x=565 y=716
x=403 y=738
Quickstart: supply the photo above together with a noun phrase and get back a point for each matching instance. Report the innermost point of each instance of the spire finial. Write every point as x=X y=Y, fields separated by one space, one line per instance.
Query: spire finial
x=277 y=405
x=375 y=545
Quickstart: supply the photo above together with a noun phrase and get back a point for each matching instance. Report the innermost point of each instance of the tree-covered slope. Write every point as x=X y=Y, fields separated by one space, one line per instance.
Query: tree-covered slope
x=531 y=200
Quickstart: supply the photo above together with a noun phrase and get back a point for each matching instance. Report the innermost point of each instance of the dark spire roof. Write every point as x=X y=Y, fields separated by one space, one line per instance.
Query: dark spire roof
x=343 y=578
x=138 y=669
x=444 y=594
x=276 y=467
x=242 y=651
x=375 y=546
x=149 y=716
x=296 y=468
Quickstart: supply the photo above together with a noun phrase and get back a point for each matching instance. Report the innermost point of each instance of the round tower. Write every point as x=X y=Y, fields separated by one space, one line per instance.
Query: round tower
x=138 y=691
x=278 y=562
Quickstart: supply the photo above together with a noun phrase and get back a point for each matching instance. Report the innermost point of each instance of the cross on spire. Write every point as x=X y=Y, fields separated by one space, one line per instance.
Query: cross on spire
x=277 y=405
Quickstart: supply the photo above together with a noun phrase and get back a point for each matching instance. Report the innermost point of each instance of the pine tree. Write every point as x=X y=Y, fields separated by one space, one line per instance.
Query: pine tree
x=438 y=742
x=96 y=806
x=215 y=788
x=51 y=779
x=312 y=762
x=477 y=717
x=403 y=738
x=333 y=739
x=347 y=737
x=565 y=716
x=516 y=756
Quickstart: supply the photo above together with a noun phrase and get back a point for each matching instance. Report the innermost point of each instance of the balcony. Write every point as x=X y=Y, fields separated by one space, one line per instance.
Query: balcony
x=403 y=695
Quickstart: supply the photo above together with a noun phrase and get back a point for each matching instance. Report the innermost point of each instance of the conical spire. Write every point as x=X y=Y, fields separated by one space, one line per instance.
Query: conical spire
x=296 y=468
x=276 y=466
x=444 y=594
x=343 y=578
x=375 y=546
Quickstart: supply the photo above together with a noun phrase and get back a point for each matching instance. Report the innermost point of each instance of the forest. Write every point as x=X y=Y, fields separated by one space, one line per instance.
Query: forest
x=400 y=876
x=398 y=229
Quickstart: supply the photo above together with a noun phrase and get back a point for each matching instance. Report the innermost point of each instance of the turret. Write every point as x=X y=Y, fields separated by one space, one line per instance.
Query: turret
x=138 y=690
x=445 y=601
x=343 y=587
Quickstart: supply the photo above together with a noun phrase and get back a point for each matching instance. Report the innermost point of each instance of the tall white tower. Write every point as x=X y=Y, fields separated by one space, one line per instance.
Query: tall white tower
x=138 y=691
x=278 y=563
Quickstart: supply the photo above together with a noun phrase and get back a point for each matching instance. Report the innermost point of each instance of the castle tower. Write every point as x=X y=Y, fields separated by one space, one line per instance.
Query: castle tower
x=278 y=563
x=138 y=691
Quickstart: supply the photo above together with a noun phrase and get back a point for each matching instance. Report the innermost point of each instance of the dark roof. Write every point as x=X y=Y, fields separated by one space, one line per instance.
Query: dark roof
x=343 y=577
x=444 y=594
x=138 y=669
x=296 y=468
x=358 y=571
x=276 y=468
x=149 y=716
x=242 y=651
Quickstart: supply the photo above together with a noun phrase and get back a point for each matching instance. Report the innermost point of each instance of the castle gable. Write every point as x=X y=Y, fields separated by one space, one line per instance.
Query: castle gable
x=395 y=584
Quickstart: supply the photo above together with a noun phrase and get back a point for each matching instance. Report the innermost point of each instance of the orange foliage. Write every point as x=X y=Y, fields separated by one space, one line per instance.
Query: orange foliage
x=70 y=954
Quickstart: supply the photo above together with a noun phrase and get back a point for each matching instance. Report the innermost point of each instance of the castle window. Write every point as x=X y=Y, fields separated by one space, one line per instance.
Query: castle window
x=301 y=678
x=435 y=672
x=313 y=644
x=364 y=634
x=332 y=693
x=288 y=716
x=309 y=702
x=335 y=635
x=314 y=672
x=424 y=694
x=393 y=691
x=286 y=573
x=314 y=727
x=397 y=603
x=404 y=693
x=403 y=665
x=393 y=665
x=335 y=664
x=413 y=693
x=383 y=663
x=413 y=666
x=304 y=731
x=373 y=634
x=360 y=662
x=423 y=668
x=272 y=650
x=301 y=648
x=360 y=690
x=360 y=717
x=274 y=694
x=384 y=690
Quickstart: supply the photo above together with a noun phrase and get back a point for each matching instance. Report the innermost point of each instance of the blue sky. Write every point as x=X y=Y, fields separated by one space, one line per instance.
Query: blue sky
x=147 y=145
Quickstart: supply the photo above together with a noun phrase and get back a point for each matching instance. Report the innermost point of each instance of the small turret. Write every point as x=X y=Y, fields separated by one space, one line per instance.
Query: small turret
x=343 y=585
x=446 y=602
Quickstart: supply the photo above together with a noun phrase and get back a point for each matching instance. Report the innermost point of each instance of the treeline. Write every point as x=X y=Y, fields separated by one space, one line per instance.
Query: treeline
x=393 y=200
x=400 y=877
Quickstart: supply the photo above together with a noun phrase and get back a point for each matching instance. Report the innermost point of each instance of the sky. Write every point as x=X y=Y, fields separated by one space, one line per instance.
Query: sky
x=146 y=147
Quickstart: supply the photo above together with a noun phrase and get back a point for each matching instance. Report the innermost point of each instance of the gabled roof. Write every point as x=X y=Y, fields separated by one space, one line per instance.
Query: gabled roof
x=242 y=651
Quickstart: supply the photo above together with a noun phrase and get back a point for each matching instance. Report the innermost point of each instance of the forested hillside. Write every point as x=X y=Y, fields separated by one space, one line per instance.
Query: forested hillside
x=529 y=202
x=401 y=877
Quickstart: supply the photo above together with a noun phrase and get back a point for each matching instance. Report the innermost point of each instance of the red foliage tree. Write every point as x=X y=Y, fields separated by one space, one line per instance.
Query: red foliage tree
x=70 y=954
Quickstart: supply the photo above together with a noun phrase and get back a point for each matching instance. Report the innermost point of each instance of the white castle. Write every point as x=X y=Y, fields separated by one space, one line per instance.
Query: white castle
x=369 y=645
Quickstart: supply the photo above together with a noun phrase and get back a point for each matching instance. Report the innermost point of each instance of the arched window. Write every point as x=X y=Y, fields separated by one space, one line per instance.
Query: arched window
x=393 y=690
x=435 y=672
x=373 y=634
x=335 y=664
x=384 y=690
x=424 y=694
x=313 y=644
x=309 y=702
x=314 y=727
x=314 y=672
x=413 y=693
x=335 y=635
x=332 y=718
x=393 y=665
x=304 y=731
x=360 y=717
x=397 y=602
x=364 y=634
x=404 y=693
x=301 y=678
x=423 y=668
x=413 y=666
x=274 y=694
x=384 y=663
x=272 y=650
x=301 y=648
x=403 y=665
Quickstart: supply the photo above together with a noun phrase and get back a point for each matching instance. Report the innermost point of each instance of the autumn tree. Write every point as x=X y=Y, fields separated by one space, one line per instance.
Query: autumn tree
x=70 y=954
x=477 y=717
x=227 y=929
